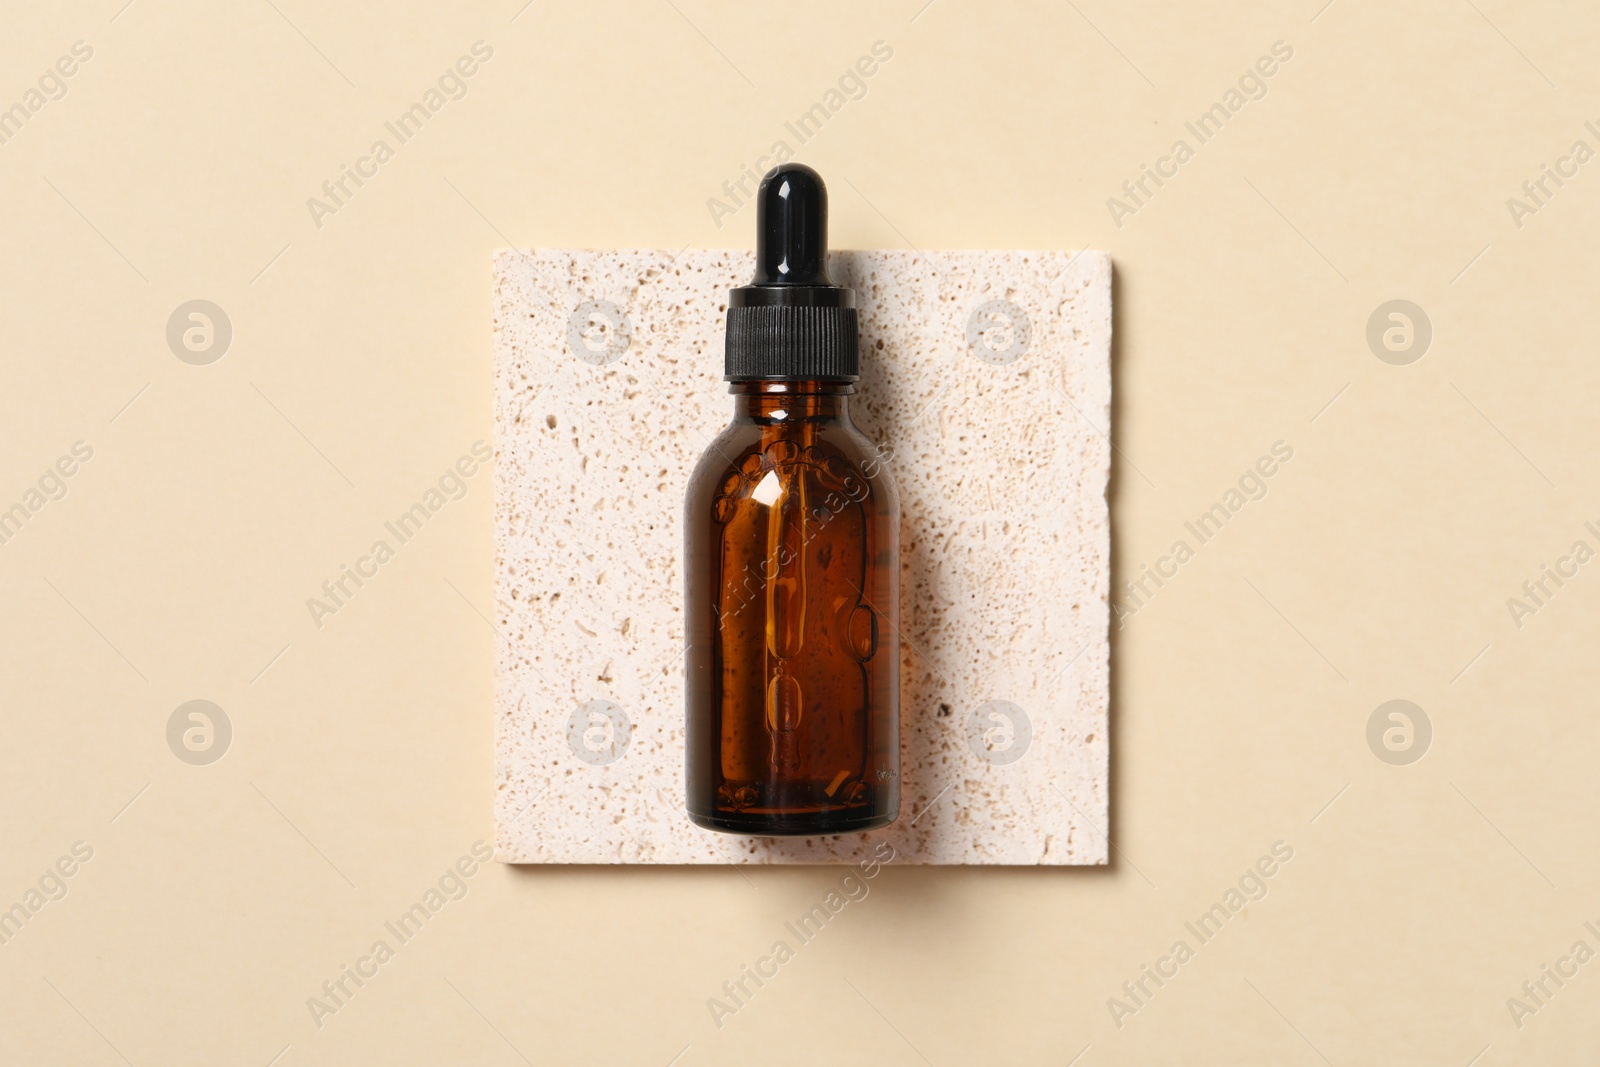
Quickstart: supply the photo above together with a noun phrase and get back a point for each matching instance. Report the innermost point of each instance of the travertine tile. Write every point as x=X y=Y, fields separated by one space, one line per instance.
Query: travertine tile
x=999 y=445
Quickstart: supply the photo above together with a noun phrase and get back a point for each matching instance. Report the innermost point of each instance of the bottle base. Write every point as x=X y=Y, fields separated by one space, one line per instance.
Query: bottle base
x=808 y=824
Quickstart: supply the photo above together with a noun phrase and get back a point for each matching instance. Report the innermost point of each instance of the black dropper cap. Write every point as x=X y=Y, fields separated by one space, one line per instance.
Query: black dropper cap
x=791 y=321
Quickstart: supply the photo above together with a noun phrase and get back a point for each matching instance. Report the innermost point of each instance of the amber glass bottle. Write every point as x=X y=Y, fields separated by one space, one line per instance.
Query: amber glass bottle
x=792 y=544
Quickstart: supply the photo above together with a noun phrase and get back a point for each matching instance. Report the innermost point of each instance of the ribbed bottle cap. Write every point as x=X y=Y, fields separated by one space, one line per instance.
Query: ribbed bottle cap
x=791 y=321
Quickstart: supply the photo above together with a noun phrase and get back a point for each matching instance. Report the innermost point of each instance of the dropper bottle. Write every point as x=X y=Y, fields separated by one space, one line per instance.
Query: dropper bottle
x=792 y=576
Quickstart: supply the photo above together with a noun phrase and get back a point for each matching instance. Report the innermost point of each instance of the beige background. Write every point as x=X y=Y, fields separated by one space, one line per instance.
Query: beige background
x=1378 y=567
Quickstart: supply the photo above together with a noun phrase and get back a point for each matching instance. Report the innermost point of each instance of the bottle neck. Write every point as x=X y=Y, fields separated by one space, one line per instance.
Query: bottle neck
x=791 y=401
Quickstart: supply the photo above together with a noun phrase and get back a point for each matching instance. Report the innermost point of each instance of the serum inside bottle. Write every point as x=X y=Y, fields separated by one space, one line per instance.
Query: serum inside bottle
x=792 y=558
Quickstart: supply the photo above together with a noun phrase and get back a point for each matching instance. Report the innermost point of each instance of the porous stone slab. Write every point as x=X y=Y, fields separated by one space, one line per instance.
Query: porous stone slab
x=986 y=380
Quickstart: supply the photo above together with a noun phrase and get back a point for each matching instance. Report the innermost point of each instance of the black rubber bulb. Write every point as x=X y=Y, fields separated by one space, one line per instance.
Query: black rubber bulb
x=792 y=228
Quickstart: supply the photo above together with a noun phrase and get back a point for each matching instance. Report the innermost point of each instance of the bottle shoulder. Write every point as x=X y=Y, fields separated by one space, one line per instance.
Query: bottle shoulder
x=836 y=450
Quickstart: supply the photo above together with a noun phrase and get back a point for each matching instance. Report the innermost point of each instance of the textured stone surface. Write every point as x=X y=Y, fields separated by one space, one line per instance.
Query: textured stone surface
x=1001 y=456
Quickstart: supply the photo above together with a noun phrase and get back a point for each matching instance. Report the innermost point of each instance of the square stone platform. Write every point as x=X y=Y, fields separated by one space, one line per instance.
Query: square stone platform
x=985 y=375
